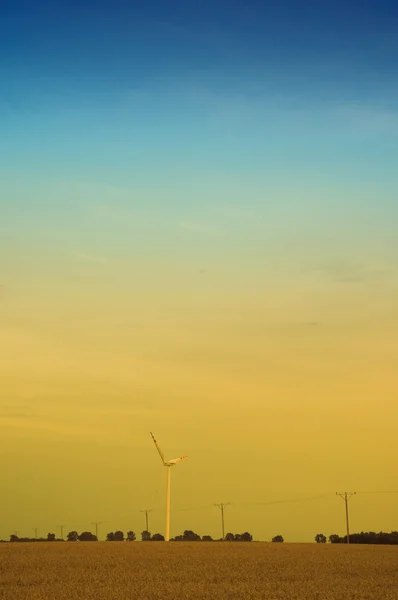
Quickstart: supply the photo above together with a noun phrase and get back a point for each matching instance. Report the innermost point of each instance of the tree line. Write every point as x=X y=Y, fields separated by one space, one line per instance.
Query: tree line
x=188 y=535
x=146 y=536
x=366 y=537
x=191 y=536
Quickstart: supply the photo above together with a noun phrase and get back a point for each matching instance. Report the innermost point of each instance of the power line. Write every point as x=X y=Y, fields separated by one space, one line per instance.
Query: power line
x=262 y=503
x=382 y=492
x=317 y=497
x=204 y=506
x=346 y=496
x=222 y=507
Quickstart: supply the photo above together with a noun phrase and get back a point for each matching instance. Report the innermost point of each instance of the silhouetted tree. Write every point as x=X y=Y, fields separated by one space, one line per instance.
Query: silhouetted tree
x=190 y=536
x=50 y=537
x=229 y=537
x=335 y=539
x=207 y=538
x=72 y=536
x=278 y=538
x=157 y=537
x=110 y=537
x=320 y=538
x=246 y=537
x=131 y=536
x=145 y=536
x=119 y=536
x=14 y=538
x=87 y=536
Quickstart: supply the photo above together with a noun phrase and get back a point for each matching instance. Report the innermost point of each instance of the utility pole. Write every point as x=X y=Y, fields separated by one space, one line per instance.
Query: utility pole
x=97 y=523
x=346 y=496
x=222 y=507
x=35 y=530
x=61 y=527
x=146 y=511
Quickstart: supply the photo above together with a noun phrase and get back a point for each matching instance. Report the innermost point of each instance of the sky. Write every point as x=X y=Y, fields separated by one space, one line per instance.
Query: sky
x=198 y=237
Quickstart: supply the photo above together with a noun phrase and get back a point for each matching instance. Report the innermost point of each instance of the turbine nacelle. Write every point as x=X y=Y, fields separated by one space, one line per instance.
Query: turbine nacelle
x=173 y=461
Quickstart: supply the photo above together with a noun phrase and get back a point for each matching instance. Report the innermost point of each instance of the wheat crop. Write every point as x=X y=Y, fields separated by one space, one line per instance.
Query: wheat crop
x=205 y=571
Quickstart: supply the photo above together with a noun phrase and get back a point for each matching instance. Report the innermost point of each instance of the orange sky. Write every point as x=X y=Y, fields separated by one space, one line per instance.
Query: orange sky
x=278 y=385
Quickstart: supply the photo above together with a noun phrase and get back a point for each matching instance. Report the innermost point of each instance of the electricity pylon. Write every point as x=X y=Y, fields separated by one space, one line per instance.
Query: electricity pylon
x=346 y=496
x=146 y=511
x=97 y=523
x=61 y=527
x=222 y=507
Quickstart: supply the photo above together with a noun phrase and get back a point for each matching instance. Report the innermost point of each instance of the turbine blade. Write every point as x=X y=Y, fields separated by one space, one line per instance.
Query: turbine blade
x=174 y=460
x=159 y=450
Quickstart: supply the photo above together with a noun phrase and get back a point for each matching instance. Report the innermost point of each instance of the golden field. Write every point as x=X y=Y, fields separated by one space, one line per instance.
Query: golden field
x=206 y=571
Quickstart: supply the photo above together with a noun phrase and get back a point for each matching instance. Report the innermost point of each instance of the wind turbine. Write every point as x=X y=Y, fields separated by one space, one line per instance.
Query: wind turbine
x=168 y=464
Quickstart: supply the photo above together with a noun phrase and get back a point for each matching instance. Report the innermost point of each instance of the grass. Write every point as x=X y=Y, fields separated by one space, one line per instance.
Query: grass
x=205 y=571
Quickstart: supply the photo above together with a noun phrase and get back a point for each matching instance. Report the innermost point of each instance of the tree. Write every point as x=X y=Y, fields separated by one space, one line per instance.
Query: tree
x=131 y=536
x=119 y=536
x=320 y=538
x=14 y=538
x=229 y=537
x=246 y=537
x=157 y=537
x=335 y=539
x=278 y=538
x=87 y=536
x=50 y=537
x=110 y=537
x=72 y=536
x=207 y=538
x=145 y=536
x=190 y=536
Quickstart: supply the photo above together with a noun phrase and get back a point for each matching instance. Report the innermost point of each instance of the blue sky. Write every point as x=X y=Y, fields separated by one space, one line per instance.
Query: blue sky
x=185 y=106
x=198 y=113
x=231 y=86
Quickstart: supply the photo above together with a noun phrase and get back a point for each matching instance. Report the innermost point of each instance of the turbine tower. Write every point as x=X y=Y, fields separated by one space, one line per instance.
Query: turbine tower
x=168 y=464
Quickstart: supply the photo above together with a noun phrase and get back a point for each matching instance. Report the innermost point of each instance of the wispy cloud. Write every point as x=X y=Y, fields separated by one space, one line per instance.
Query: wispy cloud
x=91 y=257
x=346 y=271
x=200 y=228
x=370 y=119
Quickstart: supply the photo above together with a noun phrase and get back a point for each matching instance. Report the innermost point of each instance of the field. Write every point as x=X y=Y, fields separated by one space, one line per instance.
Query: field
x=206 y=571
